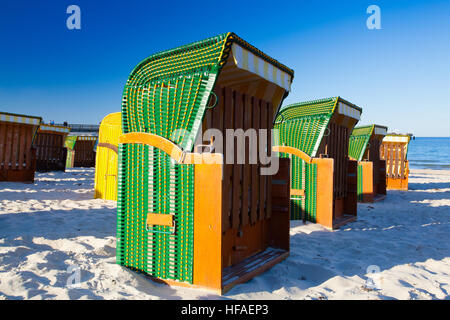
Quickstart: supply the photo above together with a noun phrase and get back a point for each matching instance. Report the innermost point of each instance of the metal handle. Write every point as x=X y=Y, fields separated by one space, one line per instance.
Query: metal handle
x=215 y=101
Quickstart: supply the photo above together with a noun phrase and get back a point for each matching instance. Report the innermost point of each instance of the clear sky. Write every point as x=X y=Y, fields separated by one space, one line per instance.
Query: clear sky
x=399 y=75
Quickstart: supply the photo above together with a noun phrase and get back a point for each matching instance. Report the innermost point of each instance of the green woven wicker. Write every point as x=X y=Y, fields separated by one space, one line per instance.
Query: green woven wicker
x=359 y=140
x=359 y=188
x=70 y=141
x=166 y=94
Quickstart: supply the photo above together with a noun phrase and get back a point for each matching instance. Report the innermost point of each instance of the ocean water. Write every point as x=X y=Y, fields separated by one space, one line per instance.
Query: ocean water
x=429 y=153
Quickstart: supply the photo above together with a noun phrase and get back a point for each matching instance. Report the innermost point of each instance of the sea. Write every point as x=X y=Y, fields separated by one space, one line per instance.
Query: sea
x=429 y=153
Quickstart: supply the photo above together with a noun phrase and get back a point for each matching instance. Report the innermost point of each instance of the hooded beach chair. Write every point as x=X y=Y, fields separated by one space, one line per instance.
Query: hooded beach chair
x=315 y=135
x=51 y=153
x=80 y=151
x=394 y=150
x=364 y=147
x=106 y=161
x=17 y=154
x=185 y=218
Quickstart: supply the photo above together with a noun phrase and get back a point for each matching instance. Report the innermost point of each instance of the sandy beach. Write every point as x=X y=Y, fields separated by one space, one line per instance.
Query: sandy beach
x=53 y=230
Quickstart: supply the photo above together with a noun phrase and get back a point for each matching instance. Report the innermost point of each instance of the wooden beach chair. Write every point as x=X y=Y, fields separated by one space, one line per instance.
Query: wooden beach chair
x=51 y=154
x=106 y=161
x=80 y=151
x=315 y=136
x=364 y=147
x=394 y=150
x=17 y=154
x=184 y=217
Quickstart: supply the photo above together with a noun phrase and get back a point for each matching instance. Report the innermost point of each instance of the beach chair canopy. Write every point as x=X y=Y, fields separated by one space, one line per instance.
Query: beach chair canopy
x=399 y=139
x=20 y=118
x=359 y=140
x=169 y=91
x=48 y=128
x=303 y=125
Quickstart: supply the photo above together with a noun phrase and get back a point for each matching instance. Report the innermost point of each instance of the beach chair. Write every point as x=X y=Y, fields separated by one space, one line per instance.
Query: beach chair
x=80 y=151
x=394 y=150
x=364 y=147
x=184 y=217
x=17 y=154
x=315 y=136
x=106 y=161
x=51 y=154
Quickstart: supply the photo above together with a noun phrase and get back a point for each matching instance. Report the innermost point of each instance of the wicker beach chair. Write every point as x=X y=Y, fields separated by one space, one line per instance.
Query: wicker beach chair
x=184 y=217
x=364 y=147
x=17 y=154
x=394 y=150
x=51 y=153
x=315 y=136
x=106 y=161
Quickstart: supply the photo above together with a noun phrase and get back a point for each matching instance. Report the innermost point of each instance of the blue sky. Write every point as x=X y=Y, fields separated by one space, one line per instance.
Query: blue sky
x=399 y=75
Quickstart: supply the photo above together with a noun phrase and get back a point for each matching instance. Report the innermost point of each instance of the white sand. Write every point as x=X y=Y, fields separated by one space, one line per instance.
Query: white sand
x=47 y=227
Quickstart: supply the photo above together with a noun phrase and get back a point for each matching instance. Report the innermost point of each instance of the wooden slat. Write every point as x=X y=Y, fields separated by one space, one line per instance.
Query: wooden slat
x=247 y=178
x=227 y=190
x=391 y=160
x=298 y=192
x=9 y=144
x=237 y=168
x=269 y=151
x=402 y=162
x=339 y=159
x=263 y=179
x=256 y=196
x=15 y=147
x=2 y=143
x=29 y=155
x=395 y=157
x=160 y=219
x=22 y=149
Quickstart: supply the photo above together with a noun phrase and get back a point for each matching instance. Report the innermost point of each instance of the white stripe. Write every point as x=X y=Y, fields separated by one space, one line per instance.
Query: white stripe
x=395 y=139
x=349 y=111
x=19 y=119
x=380 y=131
x=259 y=70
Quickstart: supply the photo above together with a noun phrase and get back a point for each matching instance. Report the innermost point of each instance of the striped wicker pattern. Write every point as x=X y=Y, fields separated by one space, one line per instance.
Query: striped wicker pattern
x=167 y=95
x=359 y=140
